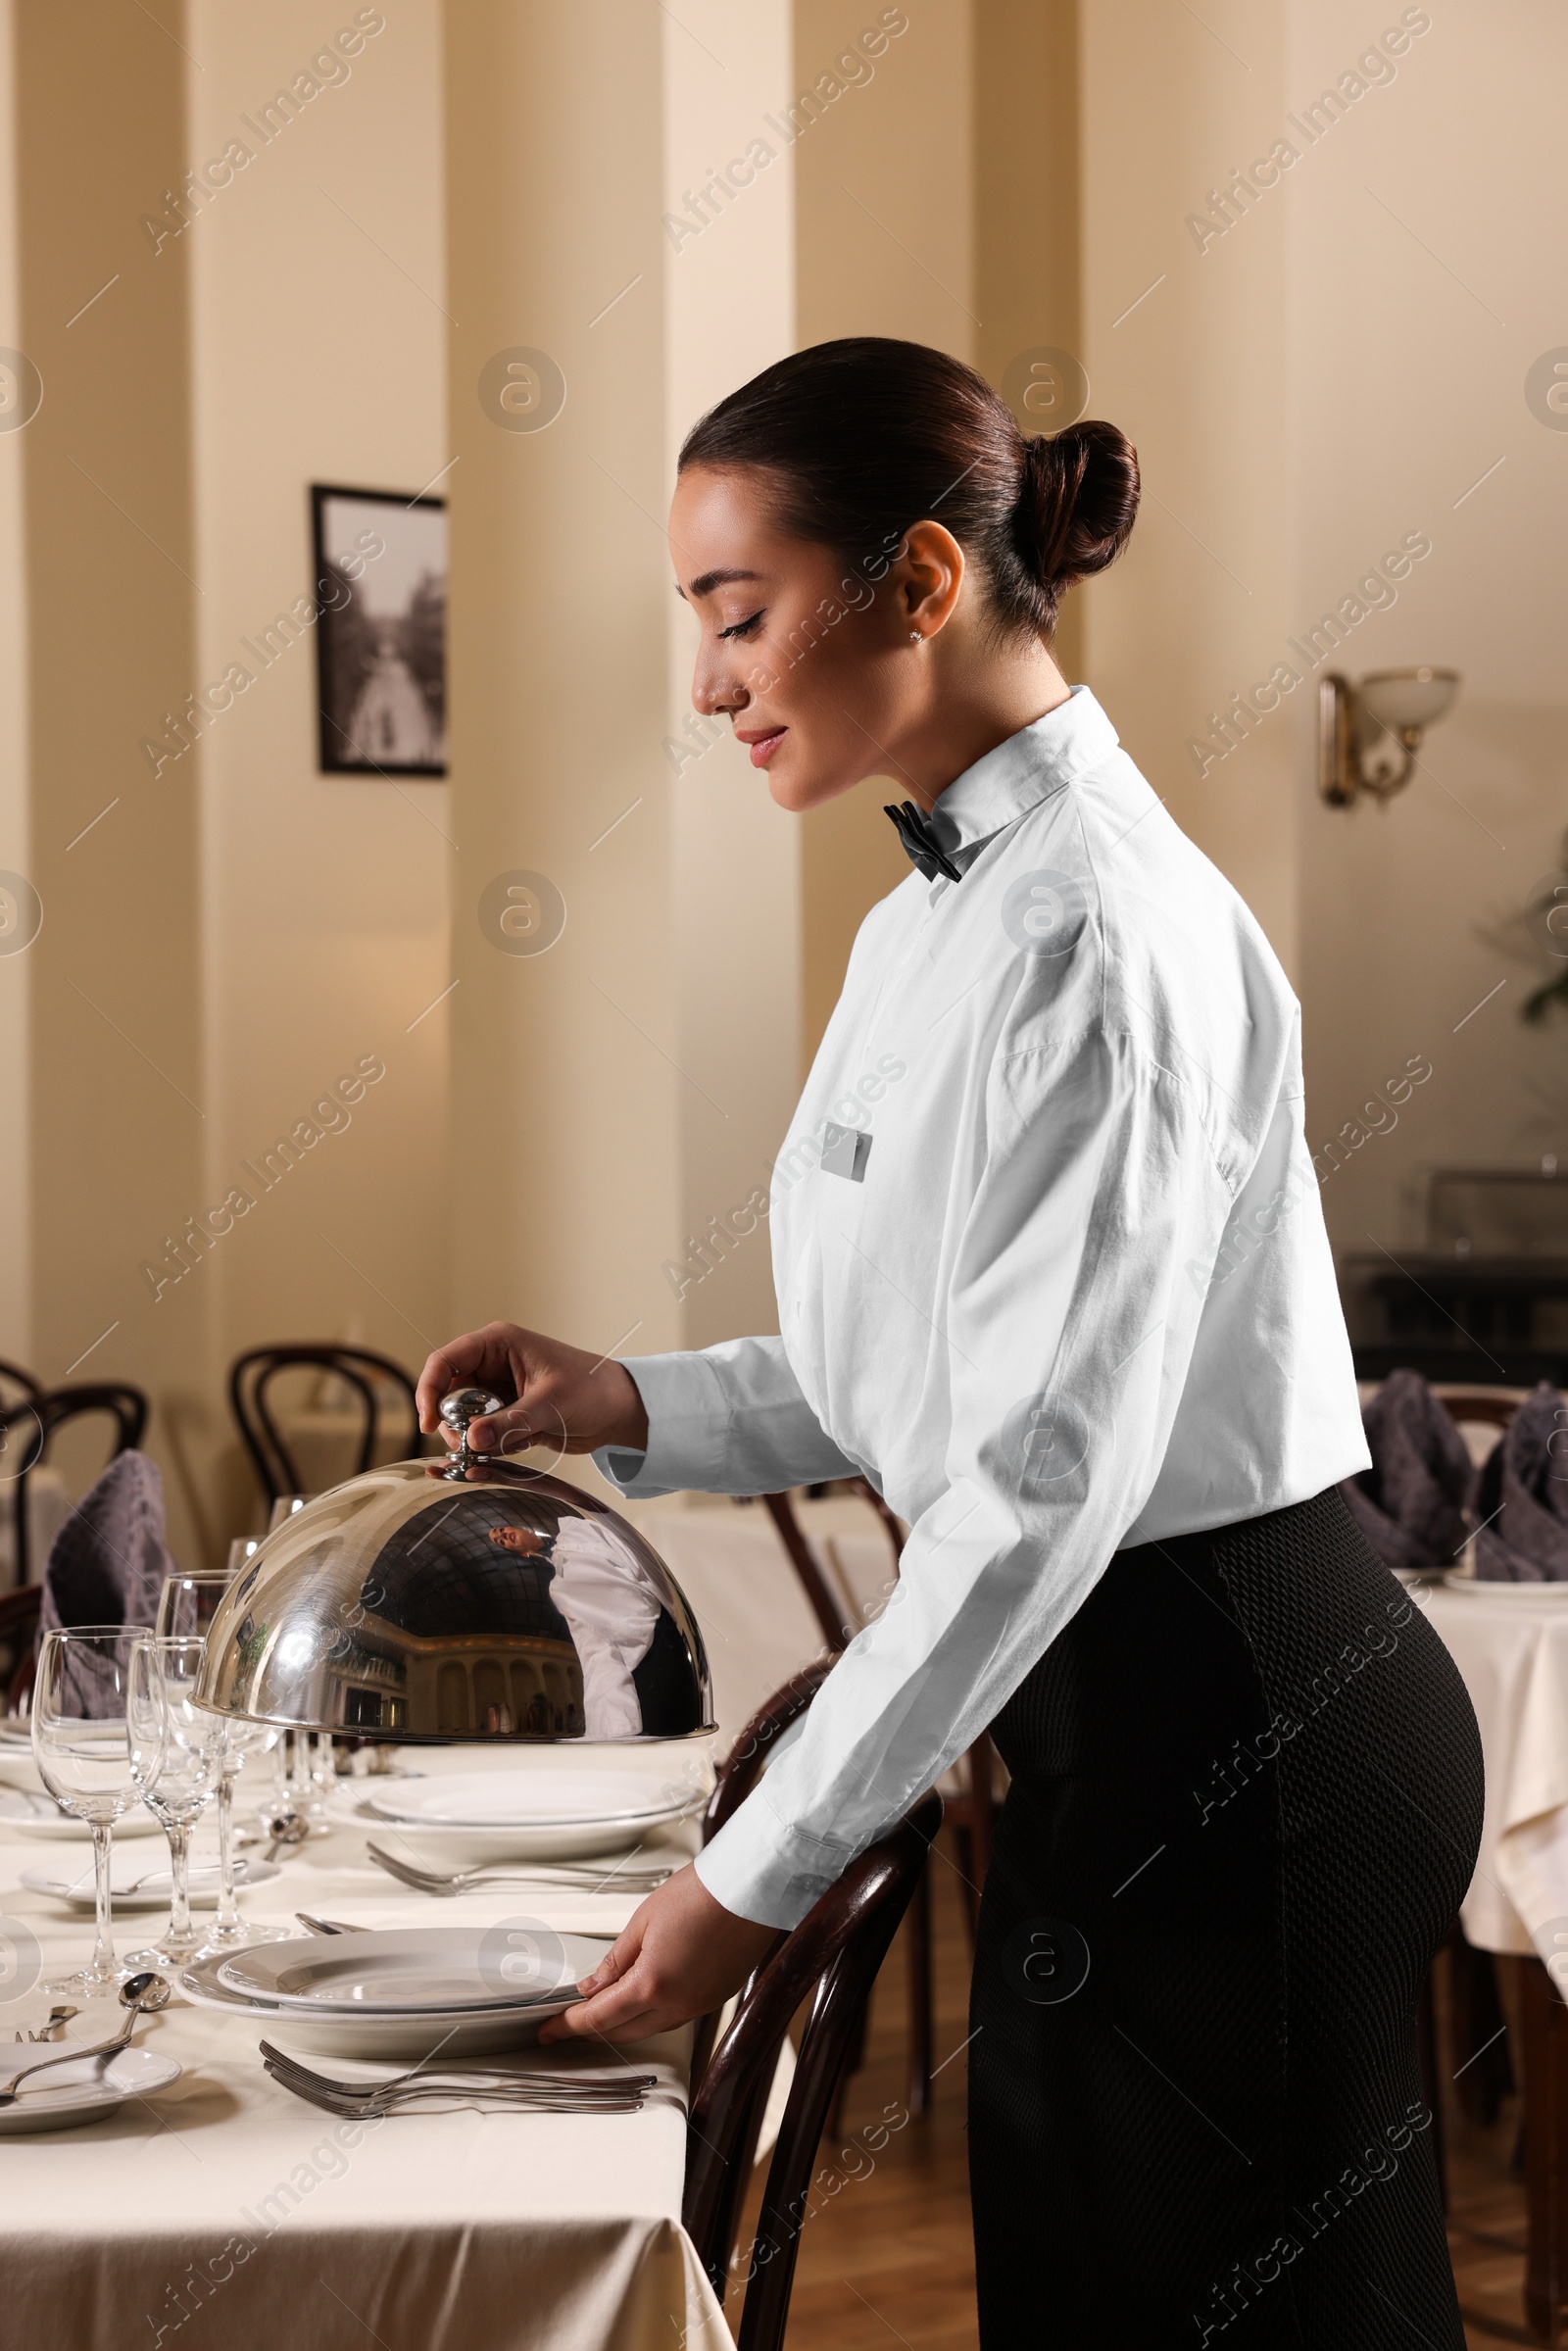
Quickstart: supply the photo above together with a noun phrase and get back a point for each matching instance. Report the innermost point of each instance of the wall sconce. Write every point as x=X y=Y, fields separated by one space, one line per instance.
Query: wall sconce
x=1355 y=724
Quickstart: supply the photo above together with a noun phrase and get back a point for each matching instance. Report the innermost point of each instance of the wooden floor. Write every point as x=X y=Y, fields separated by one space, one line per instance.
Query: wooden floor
x=888 y=2258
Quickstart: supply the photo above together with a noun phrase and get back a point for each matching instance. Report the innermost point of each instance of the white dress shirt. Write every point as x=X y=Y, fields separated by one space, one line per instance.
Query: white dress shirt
x=612 y=1612
x=1075 y=1296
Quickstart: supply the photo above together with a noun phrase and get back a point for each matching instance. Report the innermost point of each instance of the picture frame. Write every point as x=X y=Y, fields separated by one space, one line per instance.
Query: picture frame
x=380 y=639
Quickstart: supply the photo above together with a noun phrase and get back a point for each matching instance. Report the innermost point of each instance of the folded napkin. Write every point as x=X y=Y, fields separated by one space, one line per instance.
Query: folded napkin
x=108 y=1562
x=1410 y=1503
x=1522 y=1499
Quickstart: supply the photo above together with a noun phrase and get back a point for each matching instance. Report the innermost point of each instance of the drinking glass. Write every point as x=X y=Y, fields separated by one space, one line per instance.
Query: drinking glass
x=302 y=1788
x=188 y=1604
x=82 y=1744
x=164 y=1722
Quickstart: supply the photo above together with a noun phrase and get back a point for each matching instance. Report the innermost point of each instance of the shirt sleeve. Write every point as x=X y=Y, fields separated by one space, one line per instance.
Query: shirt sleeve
x=728 y=1420
x=1071 y=1315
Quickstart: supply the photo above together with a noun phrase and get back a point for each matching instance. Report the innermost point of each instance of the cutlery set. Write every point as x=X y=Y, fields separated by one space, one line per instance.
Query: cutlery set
x=143 y=1995
x=485 y=2088
x=544 y=1879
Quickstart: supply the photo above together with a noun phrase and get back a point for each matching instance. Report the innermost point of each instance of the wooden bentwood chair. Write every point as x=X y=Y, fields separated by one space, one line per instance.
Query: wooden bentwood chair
x=27 y=1430
x=831 y=1958
x=251 y=1376
x=970 y=1806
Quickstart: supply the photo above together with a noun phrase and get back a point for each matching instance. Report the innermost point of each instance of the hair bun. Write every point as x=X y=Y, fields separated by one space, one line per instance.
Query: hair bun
x=1077 y=503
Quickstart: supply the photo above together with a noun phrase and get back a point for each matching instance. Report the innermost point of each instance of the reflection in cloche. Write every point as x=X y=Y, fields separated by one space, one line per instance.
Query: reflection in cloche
x=503 y=1605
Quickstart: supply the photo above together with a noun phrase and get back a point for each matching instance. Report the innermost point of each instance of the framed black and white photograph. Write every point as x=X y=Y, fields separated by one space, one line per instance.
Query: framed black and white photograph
x=382 y=640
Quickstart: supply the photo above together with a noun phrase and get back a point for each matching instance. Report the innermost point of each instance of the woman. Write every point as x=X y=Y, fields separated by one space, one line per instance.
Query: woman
x=1052 y=1271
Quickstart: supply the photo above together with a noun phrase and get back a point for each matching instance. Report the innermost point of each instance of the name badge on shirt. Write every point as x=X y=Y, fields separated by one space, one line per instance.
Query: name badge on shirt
x=845 y=1151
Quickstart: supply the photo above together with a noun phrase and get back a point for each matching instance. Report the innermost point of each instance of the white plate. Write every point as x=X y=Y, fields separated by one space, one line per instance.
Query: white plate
x=35 y=1814
x=154 y=1890
x=447 y=1848
x=565 y=1800
x=400 y=1970
x=464 y=2034
x=82 y=2092
x=1488 y=1588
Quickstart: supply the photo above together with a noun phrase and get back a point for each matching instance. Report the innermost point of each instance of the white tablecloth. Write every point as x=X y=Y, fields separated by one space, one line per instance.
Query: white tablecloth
x=1513 y=1655
x=225 y=2215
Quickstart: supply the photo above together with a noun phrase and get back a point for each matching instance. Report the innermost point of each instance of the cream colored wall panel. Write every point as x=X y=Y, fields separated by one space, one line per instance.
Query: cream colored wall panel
x=1184 y=344
x=1425 y=281
x=730 y=309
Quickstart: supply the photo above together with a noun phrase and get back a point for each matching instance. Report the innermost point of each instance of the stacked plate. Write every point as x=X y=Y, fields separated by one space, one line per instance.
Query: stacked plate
x=578 y=1810
x=410 y=1993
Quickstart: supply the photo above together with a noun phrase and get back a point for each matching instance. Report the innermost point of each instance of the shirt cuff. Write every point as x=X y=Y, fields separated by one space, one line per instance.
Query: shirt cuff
x=687 y=1430
x=761 y=1869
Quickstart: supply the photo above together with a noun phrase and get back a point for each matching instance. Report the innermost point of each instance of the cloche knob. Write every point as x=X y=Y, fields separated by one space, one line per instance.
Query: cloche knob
x=463 y=1406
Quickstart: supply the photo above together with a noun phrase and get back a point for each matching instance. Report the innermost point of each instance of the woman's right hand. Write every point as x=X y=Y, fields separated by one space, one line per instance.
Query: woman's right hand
x=564 y=1397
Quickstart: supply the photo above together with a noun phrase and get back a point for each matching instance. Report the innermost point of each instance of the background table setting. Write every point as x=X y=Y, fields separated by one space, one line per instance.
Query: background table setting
x=1467 y=1501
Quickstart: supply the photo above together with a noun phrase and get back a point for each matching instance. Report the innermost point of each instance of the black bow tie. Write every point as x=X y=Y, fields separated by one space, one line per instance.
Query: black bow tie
x=921 y=845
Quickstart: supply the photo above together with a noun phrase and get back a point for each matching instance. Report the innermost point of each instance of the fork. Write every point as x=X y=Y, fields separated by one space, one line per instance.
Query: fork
x=543 y=2093
x=458 y=1882
x=59 y=2019
x=482 y=2098
x=508 y=2077
x=481 y=2072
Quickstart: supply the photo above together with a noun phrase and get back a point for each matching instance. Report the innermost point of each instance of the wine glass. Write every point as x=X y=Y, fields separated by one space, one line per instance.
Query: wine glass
x=302 y=1783
x=82 y=1744
x=166 y=1723
x=188 y=1603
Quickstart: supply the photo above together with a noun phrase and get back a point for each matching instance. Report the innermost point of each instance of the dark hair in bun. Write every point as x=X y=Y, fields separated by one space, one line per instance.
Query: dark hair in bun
x=865 y=436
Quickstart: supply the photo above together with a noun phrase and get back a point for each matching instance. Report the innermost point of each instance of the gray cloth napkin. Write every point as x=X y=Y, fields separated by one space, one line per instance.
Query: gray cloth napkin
x=108 y=1562
x=1522 y=1499
x=1410 y=1503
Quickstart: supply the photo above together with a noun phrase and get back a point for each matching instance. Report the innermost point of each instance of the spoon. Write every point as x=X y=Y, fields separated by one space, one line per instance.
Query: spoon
x=142 y=1994
x=285 y=1829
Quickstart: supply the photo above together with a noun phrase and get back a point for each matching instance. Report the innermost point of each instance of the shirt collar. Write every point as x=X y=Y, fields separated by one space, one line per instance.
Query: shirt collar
x=1013 y=778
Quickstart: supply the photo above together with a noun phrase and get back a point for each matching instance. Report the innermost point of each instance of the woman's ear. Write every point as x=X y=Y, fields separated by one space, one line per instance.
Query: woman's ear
x=930 y=576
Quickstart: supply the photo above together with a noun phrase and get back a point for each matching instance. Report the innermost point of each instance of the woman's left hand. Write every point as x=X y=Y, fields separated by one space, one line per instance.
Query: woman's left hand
x=682 y=1954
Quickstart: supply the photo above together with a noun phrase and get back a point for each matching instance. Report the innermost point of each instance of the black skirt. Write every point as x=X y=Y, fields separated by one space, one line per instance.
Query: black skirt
x=1244 y=1809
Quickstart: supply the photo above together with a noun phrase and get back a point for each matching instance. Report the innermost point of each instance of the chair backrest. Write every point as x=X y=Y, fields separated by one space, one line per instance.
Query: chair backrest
x=742 y=1768
x=825 y=1606
x=831 y=1958
x=1476 y=1405
x=889 y=1521
x=33 y=1426
x=18 y=1387
x=19 y=1635
x=252 y=1375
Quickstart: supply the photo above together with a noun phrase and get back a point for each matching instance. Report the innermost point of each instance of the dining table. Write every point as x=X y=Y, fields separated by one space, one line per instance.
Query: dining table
x=224 y=2211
